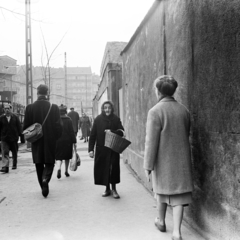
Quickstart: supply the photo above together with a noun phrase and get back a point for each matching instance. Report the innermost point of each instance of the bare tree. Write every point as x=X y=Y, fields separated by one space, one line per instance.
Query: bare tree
x=47 y=67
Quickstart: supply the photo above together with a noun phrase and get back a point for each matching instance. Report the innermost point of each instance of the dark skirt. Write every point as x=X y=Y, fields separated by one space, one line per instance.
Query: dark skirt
x=64 y=150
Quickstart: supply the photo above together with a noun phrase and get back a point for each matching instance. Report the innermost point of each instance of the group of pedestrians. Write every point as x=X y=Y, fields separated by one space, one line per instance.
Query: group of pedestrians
x=167 y=156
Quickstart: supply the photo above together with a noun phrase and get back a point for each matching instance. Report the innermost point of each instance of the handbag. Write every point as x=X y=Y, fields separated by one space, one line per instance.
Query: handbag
x=75 y=161
x=34 y=132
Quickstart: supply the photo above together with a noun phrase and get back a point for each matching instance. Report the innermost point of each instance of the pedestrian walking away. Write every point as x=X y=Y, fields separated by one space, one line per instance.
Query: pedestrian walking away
x=64 y=149
x=75 y=119
x=43 y=150
x=10 y=131
x=106 y=161
x=85 y=125
x=167 y=154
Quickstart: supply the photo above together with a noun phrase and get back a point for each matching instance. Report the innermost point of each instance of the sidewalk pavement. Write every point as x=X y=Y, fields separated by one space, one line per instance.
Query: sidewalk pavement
x=75 y=209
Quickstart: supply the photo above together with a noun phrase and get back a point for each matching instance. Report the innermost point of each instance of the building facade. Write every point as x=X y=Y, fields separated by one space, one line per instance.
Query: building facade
x=110 y=87
x=72 y=86
x=8 y=84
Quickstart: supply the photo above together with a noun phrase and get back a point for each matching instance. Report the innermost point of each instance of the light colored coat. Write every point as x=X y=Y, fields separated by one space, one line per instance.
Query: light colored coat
x=167 y=148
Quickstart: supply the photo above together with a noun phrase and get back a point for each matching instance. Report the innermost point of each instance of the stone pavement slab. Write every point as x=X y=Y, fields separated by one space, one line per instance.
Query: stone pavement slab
x=75 y=208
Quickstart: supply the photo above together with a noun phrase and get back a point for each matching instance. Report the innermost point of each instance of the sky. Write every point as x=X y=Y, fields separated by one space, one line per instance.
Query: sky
x=82 y=26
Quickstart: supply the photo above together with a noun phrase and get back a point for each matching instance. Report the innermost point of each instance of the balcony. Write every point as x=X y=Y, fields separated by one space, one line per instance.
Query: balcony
x=9 y=89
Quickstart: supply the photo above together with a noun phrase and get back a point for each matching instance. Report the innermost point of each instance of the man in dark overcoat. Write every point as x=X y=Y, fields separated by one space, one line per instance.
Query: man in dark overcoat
x=43 y=150
x=75 y=119
x=10 y=130
x=106 y=161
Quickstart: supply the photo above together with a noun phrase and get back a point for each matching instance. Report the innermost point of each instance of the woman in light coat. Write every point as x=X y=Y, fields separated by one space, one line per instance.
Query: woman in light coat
x=167 y=154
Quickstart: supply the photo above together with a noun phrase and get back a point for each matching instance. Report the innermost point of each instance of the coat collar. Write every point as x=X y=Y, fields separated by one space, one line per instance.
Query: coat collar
x=42 y=98
x=64 y=116
x=168 y=99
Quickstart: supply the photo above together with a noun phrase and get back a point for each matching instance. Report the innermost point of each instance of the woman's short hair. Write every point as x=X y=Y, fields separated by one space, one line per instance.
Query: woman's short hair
x=107 y=102
x=166 y=85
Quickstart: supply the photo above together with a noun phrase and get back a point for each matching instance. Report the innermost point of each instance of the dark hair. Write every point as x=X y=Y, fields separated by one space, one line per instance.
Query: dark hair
x=62 y=109
x=42 y=89
x=166 y=85
x=107 y=102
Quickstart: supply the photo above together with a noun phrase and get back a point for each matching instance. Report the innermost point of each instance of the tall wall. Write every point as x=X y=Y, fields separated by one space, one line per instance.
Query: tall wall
x=198 y=43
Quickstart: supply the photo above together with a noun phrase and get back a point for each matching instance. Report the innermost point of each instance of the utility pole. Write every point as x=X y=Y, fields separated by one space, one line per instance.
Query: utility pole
x=65 y=66
x=29 y=87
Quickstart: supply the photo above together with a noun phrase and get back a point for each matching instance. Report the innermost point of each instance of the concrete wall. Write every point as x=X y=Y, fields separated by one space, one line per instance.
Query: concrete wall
x=198 y=43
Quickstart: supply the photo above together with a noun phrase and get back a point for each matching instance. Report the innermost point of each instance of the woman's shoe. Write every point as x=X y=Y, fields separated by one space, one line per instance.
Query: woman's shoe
x=59 y=174
x=106 y=193
x=161 y=228
x=67 y=174
x=115 y=194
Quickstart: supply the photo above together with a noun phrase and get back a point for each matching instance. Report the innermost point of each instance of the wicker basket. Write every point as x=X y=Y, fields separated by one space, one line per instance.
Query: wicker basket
x=116 y=143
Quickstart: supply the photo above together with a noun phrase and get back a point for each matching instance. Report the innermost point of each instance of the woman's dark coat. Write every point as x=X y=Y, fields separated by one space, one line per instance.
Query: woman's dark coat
x=105 y=160
x=64 y=147
x=43 y=150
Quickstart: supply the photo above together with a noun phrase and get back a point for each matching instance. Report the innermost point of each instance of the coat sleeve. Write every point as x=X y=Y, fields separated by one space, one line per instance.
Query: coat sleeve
x=71 y=131
x=93 y=137
x=153 y=131
x=27 y=118
x=19 y=127
x=80 y=123
x=120 y=129
x=58 y=123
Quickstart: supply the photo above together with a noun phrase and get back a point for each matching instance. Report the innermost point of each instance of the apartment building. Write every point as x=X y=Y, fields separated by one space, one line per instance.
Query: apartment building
x=8 y=85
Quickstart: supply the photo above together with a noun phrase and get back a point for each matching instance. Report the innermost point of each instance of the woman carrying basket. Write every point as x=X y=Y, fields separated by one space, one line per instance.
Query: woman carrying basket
x=106 y=161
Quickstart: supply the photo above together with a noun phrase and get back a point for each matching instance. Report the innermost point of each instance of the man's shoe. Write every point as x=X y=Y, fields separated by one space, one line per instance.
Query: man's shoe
x=58 y=173
x=4 y=170
x=106 y=193
x=161 y=228
x=115 y=194
x=14 y=167
x=45 y=189
x=67 y=174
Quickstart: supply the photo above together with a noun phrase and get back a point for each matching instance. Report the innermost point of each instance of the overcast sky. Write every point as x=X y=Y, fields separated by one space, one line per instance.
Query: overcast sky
x=88 y=24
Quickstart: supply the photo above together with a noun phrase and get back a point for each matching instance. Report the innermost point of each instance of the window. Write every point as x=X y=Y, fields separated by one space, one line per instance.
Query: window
x=58 y=86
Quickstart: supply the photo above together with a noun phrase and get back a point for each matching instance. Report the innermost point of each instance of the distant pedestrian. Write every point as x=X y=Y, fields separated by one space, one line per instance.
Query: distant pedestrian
x=167 y=154
x=64 y=149
x=75 y=119
x=106 y=161
x=85 y=125
x=10 y=131
x=43 y=150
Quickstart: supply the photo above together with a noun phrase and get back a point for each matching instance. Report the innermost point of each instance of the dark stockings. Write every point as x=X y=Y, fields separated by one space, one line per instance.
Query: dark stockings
x=113 y=186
